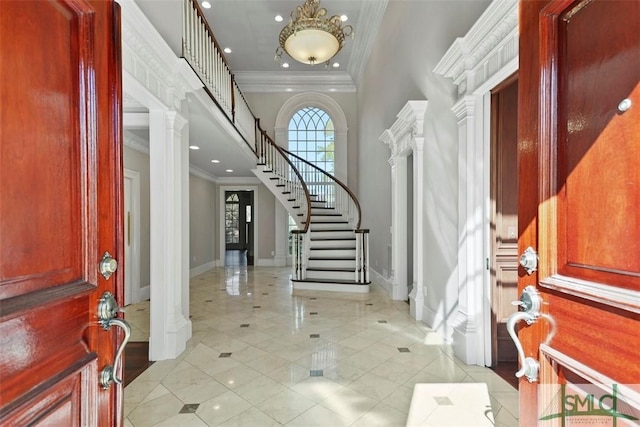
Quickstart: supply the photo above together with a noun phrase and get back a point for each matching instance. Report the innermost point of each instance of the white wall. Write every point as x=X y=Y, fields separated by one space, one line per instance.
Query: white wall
x=202 y=223
x=400 y=69
x=137 y=161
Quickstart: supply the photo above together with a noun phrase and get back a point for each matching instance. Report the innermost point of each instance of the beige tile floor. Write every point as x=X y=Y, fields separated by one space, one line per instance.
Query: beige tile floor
x=264 y=355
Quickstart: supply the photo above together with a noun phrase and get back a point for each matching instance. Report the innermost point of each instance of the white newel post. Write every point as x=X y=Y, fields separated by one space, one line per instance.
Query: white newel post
x=282 y=236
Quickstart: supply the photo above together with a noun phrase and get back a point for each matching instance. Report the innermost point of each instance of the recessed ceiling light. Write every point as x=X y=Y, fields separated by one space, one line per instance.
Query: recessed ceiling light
x=344 y=18
x=194 y=147
x=285 y=65
x=229 y=170
x=227 y=50
x=279 y=18
x=206 y=4
x=215 y=161
x=333 y=89
x=289 y=89
x=336 y=64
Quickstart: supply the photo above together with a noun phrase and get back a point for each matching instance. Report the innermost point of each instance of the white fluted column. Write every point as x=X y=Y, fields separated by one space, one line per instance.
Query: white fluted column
x=416 y=298
x=399 y=262
x=168 y=161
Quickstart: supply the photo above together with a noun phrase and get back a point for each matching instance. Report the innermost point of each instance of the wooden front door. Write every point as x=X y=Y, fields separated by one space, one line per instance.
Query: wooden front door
x=60 y=210
x=579 y=204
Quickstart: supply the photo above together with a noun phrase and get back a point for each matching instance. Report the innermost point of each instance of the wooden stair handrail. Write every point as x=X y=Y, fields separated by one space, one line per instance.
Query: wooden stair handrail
x=281 y=151
x=339 y=182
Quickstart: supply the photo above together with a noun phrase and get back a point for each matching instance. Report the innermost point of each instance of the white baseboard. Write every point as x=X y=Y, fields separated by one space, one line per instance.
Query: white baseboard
x=382 y=281
x=144 y=293
x=202 y=268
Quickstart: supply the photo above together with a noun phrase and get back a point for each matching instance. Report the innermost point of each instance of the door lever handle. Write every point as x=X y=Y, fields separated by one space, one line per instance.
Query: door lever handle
x=107 y=311
x=109 y=375
x=531 y=304
x=529 y=366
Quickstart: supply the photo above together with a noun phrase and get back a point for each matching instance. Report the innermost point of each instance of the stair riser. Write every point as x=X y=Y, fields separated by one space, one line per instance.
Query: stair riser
x=319 y=210
x=332 y=253
x=330 y=275
x=326 y=218
x=329 y=263
x=333 y=234
x=331 y=287
x=342 y=244
x=330 y=226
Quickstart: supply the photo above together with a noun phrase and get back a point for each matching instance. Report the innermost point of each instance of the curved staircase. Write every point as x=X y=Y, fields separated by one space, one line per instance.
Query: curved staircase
x=330 y=250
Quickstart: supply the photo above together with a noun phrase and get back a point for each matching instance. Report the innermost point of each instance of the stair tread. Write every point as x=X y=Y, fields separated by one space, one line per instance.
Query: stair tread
x=333 y=248
x=338 y=281
x=329 y=239
x=332 y=230
x=338 y=269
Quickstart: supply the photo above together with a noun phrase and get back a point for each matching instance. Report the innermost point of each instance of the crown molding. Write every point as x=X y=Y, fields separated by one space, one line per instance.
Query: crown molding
x=295 y=82
x=134 y=142
x=194 y=170
x=406 y=132
x=148 y=58
x=488 y=47
x=241 y=180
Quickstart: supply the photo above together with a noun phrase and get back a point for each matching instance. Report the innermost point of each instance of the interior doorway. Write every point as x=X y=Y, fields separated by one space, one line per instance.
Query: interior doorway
x=503 y=261
x=239 y=226
x=132 y=292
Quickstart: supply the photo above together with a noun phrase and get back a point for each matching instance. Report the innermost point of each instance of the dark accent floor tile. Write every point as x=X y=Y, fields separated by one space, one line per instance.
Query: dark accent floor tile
x=244 y=325
x=313 y=313
x=256 y=306
x=316 y=373
x=314 y=336
x=265 y=293
x=140 y=309
x=443 y=400
x=382 y=321
x=189 y=408
x=208 y=300
x=313 y=298
x=225 y=355
x=368 y=303
x=404 y=350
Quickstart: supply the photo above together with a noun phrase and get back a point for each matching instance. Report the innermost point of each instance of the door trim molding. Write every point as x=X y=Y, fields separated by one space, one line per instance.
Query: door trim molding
x=406 y=138
x=136 y=293
x=222 y=189
x=477 y=62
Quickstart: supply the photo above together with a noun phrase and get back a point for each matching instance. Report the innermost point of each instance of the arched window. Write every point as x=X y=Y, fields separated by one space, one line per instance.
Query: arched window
x=312 y=137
